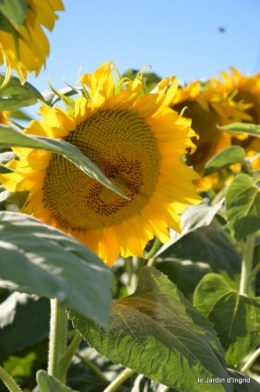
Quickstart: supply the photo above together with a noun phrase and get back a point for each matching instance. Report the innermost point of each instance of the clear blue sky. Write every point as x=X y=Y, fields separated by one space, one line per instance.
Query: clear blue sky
x=176 y=37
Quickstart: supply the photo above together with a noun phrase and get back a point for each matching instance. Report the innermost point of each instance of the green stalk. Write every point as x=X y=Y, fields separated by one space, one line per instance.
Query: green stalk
x=67 y=357
x=57 y=340
x=9 y=381
x=133 y=266
x=119 y=380
x=250 y=361
x=150 y=255
x=255 y=271
x=92 y=367
x=156 y=245
x=247 y=263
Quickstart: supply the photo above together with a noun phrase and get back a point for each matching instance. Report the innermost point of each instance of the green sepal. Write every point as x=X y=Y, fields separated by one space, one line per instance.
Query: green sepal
x=69 y=102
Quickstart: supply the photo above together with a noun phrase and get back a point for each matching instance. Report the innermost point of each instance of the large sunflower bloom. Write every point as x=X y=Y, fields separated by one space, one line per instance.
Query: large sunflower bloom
x=136 y=140
x=25 y=48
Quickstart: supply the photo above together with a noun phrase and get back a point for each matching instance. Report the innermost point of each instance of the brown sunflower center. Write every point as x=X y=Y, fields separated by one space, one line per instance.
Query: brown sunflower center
x=205 y=124
x=123 y=146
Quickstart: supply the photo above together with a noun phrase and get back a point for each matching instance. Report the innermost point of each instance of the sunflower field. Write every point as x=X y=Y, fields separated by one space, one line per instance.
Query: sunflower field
x=129 y=225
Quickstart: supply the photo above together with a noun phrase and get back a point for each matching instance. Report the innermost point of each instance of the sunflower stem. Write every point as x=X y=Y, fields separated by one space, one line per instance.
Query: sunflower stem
x=57 y=340
x=154 y=248
x=67 y=357
x=254 y=271
x=250 y=361
x=119 y=380
x=9 y=381
x=133 y=266
x=247 y=262
x=92 y=366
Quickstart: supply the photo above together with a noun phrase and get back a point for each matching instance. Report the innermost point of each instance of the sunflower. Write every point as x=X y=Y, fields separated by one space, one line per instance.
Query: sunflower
x=244 y=89
x=24 y=48
x=136 y=140
x=208 y=107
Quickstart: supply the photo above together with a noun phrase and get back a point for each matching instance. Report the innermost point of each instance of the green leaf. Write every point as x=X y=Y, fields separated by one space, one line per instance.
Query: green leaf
x=236 y=318
x=243 y=207
x=16 y=95
x=12 y=138
x=186 y=274
x=14 y=10
x=23 y=365
x=225 y=158
x=193 y=218
x=5 y=170
x=249 y=129
x=38 y=259
x=24 y=321
x=156 y=330
x=241 y=382
x=16 y=198
x=20 y=115
x=48 y=383
x=20 y=367
x=209 y=246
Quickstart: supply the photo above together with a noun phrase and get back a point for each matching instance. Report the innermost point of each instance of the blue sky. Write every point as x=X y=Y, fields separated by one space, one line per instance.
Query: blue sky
x=176 y=37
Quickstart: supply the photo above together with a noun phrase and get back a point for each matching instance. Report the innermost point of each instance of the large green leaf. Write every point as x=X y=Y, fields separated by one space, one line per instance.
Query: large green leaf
x=158 y=333
x=236 y=318
x=225 y=158
x=243 y=206
x=12 y=138
x=48 y=383
x=38 y=259
x=24 y=321
x=14 y=10
x=193 y=218
x=208 y=245
x=241 y=382
x=16 y=95
x=186 y=274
